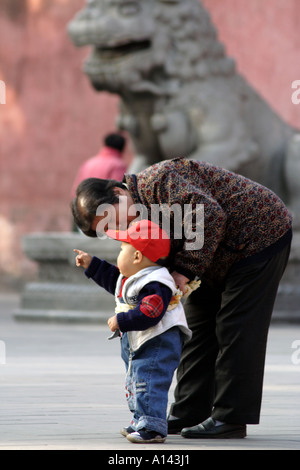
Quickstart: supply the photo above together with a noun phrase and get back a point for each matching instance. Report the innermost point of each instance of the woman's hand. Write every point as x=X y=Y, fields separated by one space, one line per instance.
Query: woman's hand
x=180 y=280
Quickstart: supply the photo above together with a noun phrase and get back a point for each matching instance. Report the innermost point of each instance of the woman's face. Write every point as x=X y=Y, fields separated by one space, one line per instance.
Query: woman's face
x=115 y=216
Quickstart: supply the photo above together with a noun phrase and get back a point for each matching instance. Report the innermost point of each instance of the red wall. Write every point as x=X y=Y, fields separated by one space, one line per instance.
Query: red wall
x=53 y=120
x=263 y=37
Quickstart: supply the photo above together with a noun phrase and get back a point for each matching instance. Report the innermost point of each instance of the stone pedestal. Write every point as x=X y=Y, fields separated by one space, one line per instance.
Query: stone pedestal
x=62 y=291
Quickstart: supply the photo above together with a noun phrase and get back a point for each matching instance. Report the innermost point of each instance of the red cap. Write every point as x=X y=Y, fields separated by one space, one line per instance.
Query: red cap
x=145 y=236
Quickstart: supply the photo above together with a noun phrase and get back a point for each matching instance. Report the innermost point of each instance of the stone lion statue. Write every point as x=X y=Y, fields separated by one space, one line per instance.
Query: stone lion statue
x=181 y=94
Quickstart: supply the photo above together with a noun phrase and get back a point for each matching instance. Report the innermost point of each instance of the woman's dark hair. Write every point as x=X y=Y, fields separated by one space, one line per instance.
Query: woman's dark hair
x=90 y=194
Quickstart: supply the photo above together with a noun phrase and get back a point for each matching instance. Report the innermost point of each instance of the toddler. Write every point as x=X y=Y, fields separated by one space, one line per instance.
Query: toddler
x=149 y=319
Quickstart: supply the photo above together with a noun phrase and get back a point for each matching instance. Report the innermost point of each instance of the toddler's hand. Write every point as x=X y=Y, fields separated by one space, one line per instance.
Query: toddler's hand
x=113 y=323
x=83 y=259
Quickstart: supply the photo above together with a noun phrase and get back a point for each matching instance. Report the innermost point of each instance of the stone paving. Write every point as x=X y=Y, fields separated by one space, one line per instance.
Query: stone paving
x=61 y=387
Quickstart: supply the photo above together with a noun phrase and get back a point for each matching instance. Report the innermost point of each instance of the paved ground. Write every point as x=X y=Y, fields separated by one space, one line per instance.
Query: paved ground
x=62 y=388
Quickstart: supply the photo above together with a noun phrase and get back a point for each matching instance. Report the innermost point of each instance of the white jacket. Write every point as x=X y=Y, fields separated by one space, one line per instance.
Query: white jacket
x=130 y=291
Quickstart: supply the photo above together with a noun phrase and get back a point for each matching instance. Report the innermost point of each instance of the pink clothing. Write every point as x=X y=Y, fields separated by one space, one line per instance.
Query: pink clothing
x=108 y=164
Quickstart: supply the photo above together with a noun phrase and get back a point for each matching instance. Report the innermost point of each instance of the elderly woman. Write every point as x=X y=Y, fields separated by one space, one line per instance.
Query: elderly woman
x=235 y=237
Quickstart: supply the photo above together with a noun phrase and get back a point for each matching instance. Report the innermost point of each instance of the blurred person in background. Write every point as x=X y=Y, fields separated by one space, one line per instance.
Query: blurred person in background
x=107 y=164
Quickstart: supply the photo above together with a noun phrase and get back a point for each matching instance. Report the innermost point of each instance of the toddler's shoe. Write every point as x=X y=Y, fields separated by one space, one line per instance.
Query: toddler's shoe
x=126 y=431
x=144 y=436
